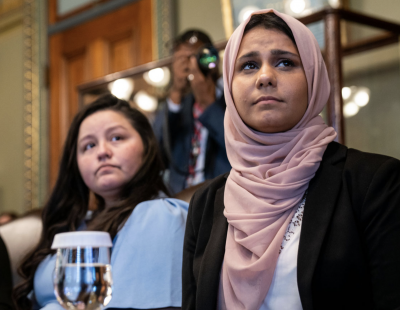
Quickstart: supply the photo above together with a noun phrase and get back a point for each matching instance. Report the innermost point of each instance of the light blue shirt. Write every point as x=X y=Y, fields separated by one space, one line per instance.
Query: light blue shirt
x=146 y=260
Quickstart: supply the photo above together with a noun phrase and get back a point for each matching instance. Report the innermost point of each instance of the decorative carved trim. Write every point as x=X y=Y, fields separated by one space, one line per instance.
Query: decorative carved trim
x=165 y=28
x=31 y=105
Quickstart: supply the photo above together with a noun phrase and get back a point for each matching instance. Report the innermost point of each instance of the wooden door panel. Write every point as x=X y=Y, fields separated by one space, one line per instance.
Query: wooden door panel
x=122 y=53
x=97 y=59
x=76 y=73
x=109 y=43
x=57 y=101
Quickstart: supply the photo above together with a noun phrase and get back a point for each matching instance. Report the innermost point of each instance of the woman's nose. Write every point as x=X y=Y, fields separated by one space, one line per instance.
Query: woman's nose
x=266 y=77
x=103 y=151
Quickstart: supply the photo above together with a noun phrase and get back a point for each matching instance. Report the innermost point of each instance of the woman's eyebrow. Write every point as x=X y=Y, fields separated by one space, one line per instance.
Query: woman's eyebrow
x=274 y=52
x=114 y=127
x=278 y=52
x=108 y=130
x=87 y=137
x=249 y=55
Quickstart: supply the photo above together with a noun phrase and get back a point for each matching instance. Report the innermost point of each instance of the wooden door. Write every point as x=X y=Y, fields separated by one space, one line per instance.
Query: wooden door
x=109 y=43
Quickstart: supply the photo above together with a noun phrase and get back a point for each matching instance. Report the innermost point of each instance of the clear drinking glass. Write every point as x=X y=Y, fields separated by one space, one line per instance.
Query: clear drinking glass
x=82 y=276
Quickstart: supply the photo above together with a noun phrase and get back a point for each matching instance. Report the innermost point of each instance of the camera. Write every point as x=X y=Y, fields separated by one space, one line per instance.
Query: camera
x=207 y=59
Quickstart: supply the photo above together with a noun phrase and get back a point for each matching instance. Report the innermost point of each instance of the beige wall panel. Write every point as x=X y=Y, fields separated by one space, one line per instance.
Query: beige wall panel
x=205 y=15
x=11 y=119
x=385 y=9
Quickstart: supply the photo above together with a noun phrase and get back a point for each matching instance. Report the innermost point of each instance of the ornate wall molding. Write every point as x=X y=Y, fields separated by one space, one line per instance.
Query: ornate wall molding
x=35 y=174
x=164 y=27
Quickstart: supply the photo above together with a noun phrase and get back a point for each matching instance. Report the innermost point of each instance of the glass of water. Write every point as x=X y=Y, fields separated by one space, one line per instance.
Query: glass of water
x=82 y=276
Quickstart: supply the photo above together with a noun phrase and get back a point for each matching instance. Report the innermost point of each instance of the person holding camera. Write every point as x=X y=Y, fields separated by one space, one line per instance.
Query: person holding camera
x=189 y=126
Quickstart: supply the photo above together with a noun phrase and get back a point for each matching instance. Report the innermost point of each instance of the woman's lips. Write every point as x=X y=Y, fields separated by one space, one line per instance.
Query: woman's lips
x=267 y=100
x=104 y=167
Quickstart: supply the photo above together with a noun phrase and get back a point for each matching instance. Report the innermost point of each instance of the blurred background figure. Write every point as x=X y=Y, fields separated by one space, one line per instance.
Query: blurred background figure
x=189 y=125
x=7 y=217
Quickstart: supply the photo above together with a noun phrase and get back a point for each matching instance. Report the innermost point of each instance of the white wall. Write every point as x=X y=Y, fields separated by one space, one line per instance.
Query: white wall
x=205 y=15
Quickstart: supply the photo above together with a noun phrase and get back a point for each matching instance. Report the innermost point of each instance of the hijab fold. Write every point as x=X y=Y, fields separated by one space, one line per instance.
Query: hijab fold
x=270 y=174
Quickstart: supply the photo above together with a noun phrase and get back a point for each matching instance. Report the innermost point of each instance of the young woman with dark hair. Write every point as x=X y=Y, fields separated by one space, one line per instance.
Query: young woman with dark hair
x=111 y=151
x=300 y=222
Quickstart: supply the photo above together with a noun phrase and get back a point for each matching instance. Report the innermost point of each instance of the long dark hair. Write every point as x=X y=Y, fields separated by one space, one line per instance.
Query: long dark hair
x=68 y=204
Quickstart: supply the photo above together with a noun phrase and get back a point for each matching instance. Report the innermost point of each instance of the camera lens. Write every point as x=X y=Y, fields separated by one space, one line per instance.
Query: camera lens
x=207 y=59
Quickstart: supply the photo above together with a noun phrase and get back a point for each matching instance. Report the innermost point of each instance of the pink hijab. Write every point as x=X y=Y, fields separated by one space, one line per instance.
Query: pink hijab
x=270 y=174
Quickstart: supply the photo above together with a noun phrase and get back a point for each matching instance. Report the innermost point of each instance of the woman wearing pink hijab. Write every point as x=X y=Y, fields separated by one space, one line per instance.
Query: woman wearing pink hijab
x=300 y=222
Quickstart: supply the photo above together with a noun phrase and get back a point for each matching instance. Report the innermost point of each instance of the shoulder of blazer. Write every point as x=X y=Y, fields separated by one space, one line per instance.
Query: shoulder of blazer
x=352 y=161
x=363 y=162
x=205 y=243
x=203 y=201
x=359 y=171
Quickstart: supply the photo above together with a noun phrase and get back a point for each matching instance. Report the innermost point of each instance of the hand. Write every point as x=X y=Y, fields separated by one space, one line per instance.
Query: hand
x=180 y=71
x=203 y=87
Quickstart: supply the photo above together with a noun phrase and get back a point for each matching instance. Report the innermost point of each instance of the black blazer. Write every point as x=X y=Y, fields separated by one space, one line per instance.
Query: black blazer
x=349 y=251
x=5 y=279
